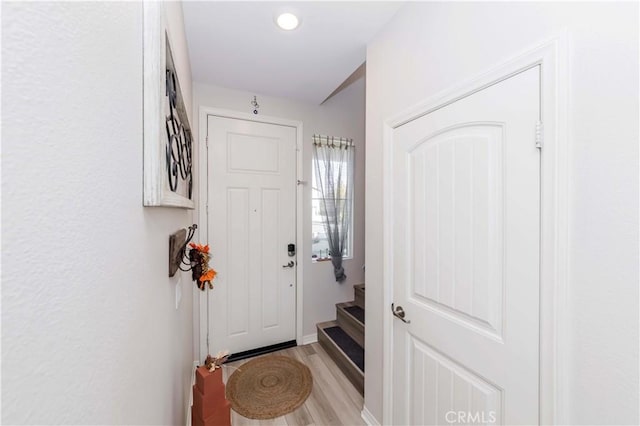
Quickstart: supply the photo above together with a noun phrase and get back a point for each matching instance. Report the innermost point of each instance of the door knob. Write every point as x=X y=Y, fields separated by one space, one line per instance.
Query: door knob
x=289 y=265
x=398 y=312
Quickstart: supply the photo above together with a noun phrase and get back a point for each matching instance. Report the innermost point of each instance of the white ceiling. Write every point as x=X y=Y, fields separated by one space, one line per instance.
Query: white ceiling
x=237 y=44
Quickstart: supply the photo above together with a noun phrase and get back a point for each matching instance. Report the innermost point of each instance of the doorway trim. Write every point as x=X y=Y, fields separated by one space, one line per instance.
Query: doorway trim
x=552 y=57
x=203 y=217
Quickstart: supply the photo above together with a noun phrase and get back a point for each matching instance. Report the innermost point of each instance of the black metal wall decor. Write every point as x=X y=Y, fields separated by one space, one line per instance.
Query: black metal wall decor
x=179 y=146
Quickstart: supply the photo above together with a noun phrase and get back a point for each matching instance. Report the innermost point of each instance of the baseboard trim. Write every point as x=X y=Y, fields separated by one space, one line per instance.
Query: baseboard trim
x=310 y=338
x=193 y=383
x=369 y=418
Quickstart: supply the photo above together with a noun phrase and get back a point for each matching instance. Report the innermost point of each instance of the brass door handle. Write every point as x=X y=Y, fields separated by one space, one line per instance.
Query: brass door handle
x=398 y=312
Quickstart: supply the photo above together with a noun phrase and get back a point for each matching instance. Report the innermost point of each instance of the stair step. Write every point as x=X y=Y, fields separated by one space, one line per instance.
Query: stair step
x=347 y=354
x=357 y=312
x=350 y=318
x=358 y=291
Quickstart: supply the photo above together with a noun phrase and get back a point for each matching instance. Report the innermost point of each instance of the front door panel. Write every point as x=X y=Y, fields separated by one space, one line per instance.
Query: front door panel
x=251 y=184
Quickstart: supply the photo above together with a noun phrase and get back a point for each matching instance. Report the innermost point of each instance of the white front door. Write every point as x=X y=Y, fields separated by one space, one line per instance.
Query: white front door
x=465 y=268
x=251 y=220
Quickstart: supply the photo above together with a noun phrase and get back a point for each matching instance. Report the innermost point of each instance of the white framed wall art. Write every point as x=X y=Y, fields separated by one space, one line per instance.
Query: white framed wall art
x=168 y=141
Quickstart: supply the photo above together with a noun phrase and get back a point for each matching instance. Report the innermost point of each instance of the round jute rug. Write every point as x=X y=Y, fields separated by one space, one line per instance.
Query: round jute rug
x=269 y=387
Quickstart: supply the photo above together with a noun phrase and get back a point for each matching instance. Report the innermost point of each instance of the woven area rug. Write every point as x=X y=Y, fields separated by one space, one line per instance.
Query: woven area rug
x=269 y=387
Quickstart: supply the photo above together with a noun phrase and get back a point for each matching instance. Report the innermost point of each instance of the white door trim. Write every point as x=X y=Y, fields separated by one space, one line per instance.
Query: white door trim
x=552 y=58
x=203 y=226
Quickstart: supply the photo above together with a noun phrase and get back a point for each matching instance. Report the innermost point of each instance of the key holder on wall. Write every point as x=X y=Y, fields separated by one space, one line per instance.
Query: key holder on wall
x=177 y=249
x=254 y=104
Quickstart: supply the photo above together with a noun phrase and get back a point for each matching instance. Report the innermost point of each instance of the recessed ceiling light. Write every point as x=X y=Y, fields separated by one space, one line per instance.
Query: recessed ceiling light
x=287 y=21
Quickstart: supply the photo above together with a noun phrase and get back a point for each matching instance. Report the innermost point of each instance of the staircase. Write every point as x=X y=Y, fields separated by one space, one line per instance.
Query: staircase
x=343 y=339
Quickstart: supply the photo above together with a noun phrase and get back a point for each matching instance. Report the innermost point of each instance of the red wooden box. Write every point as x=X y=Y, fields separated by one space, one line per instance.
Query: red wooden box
x=220 y=417
x=209 y=382
x=205 y=405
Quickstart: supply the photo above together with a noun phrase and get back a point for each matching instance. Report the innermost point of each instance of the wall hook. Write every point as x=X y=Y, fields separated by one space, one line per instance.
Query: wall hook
x=255 y=105
x=177 y=246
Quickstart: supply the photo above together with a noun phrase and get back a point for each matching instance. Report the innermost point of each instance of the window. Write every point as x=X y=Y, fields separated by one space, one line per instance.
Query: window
x=332 y=195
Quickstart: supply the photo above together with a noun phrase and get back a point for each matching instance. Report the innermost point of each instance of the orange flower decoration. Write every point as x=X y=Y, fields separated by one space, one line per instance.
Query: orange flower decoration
x=202 y=273
x=200 y=247
x=208 y=276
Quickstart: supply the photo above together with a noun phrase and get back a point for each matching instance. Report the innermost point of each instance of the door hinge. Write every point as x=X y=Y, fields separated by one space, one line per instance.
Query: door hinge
x=207 y=209
x=206 y=139
x=539 y=134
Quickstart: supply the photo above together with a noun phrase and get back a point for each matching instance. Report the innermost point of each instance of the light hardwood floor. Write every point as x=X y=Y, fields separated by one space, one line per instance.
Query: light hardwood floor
x=333 y=400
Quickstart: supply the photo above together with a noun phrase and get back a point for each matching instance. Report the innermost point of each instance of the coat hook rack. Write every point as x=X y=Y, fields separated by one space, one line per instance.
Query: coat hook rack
x=177 y=246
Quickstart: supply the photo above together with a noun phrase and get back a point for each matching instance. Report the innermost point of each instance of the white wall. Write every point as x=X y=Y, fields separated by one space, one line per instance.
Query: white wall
x=90 y=332
x=176 y=31
x=429 y=47
x=342 y=115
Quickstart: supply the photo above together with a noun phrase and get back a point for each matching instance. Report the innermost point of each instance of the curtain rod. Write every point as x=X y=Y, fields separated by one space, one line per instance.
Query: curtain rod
x=332 y=140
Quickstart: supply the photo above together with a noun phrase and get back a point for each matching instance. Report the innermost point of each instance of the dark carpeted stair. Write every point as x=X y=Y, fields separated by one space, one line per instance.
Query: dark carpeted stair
x=354 y=351
x=357 y=312
x=343 y=339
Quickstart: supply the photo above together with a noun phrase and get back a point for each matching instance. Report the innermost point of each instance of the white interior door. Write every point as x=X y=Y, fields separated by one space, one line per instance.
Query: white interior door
x=465 y=268
x=251 y=220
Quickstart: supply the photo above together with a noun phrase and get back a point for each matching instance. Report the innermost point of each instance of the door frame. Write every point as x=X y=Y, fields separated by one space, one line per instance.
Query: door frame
x=552 y=57
x=203 y=227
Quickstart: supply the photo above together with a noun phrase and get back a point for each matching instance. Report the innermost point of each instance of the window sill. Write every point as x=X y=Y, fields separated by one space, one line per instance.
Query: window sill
x=328 y=259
